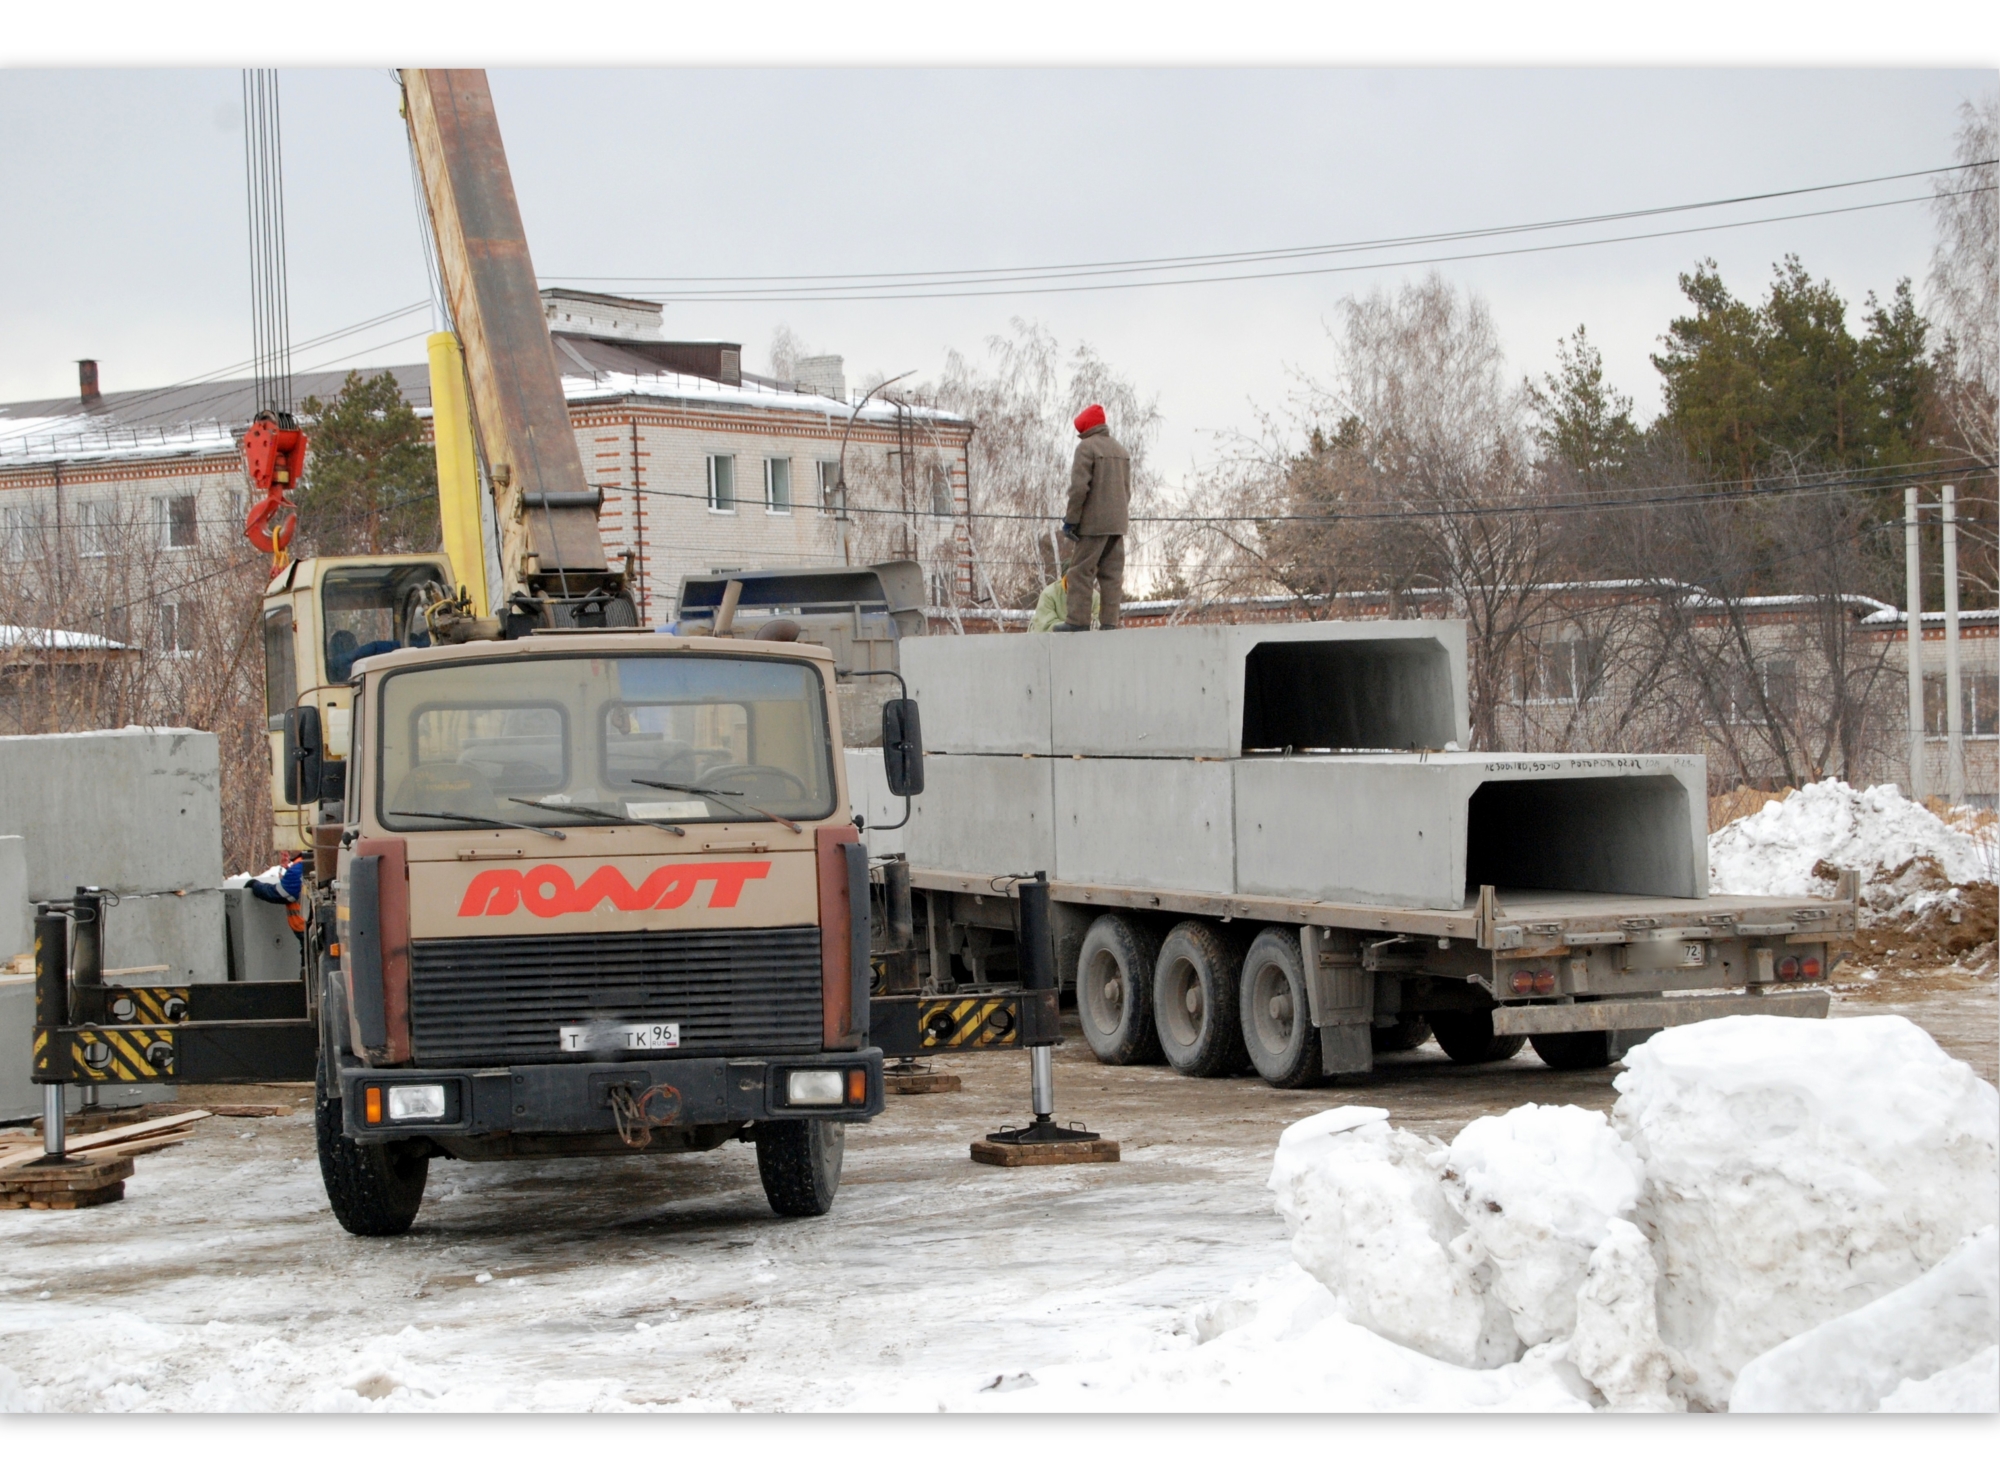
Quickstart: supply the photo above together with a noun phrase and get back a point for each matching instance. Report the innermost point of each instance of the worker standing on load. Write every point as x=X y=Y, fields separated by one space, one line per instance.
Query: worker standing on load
x=1100 y=495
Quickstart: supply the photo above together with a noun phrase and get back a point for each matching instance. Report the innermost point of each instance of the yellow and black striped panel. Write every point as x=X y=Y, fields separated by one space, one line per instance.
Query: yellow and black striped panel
x=969 y=1023
x=127 y=1056
x=145 y=1005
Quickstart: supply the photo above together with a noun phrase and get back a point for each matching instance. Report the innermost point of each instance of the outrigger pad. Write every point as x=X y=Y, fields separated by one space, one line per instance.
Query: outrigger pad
x=1044 y=1142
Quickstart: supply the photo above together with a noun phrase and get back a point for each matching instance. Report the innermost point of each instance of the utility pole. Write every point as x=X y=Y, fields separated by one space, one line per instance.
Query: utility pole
x=1913 y=616
x=1953 y=720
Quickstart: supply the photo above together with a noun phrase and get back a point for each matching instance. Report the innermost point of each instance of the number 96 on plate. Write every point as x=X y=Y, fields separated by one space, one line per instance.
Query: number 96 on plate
x=620 y=1036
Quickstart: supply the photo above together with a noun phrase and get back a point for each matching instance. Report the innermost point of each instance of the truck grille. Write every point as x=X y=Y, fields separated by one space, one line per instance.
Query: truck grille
x=499 y=1000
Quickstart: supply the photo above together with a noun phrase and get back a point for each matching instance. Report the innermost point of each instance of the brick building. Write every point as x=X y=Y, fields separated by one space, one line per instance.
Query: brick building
x=705 y=467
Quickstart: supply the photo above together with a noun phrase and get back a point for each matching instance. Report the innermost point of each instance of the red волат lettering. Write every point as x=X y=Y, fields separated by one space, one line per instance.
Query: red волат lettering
x=549 y=891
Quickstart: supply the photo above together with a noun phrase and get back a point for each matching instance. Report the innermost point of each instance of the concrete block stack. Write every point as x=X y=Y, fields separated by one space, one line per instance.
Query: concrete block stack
x=1324 y=760
x=136 y=811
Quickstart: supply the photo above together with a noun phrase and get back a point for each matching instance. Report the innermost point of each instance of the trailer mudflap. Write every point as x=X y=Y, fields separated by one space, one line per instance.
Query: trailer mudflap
x=990 y=1021
x=1627 y=1015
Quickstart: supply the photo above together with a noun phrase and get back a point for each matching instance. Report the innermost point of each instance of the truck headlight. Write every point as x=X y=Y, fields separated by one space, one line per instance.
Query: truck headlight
x=416 y=1101
x=817 y=1087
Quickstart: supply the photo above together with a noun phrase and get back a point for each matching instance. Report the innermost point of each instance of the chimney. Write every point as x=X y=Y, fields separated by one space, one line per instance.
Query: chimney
x=823 y=374
x=86 y=382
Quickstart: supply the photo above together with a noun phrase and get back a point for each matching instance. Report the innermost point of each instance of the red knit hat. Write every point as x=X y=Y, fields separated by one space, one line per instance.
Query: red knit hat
x=1089 y=416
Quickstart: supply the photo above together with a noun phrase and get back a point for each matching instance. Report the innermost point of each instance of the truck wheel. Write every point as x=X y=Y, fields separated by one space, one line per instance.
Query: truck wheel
x=1194 y=1001
x=1409 y=1033
x=1467 y=1036
x=799 y=1163
x=1114 y=990
x=1573 y=1051
x=1277 y=1016
x=375 y=1189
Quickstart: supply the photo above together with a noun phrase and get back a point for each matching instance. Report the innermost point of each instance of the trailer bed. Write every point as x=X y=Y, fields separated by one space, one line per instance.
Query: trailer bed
x=1504 y=919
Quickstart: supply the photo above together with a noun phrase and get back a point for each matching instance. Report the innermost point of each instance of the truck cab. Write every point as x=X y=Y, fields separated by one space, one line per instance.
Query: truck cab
x=596 y=892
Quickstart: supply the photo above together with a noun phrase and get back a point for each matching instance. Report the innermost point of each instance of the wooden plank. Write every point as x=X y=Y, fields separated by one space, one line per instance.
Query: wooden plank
x=1063 y=1152
x=126 y=1134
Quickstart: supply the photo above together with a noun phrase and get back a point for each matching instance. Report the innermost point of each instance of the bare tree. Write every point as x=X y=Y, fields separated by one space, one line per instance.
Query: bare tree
x=1965 y=305
x=1022 y=396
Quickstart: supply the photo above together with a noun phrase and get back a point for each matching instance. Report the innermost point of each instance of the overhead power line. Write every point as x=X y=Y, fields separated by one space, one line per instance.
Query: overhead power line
x=1666 y=496
x=836 y=287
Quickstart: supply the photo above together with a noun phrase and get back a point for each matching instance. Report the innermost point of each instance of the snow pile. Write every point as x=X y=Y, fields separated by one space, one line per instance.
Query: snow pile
x=1796 y=1170
x=1941 y=1323
x=1916 y=869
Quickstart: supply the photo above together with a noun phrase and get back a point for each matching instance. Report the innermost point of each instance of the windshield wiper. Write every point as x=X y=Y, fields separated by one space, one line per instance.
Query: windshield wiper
x=727 y=797
x=547 y=831
x=521 y=800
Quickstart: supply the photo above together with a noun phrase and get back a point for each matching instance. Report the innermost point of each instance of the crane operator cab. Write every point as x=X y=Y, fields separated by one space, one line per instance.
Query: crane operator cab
x=321 y=617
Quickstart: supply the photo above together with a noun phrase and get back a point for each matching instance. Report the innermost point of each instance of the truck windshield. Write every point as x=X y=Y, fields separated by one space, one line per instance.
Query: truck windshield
x=372 y=610
x=595 y=741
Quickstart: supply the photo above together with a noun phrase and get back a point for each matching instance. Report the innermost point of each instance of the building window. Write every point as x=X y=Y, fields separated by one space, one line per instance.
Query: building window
x=175 y=519
x=93 y=529
x=170 y=632
x=21 y=532
x=830 y=500
x=721 y=483
x=1978 y=704
x=1776 y=688
x=940 y=481
x=778 y=485
x=1563 y=671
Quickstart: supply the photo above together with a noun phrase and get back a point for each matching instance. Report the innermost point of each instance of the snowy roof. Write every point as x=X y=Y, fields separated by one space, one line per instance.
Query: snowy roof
x=207 y=417
x=49 y=638
x=1890 y=616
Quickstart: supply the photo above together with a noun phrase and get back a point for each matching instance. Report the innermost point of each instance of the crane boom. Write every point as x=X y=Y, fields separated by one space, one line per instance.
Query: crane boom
x=546 y=514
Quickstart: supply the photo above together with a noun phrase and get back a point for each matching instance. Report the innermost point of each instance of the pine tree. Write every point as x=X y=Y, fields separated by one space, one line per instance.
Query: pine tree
x=371 y=479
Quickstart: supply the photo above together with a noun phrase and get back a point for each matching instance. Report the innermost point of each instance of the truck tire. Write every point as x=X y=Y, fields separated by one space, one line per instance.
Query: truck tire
x=1409 y=1033
x=1114 y=990
x=374 y=1189
x=1278 y=1034
x=799 y=1163
x=1467 y=1036
x=1570 y=1052
x=1195 y=986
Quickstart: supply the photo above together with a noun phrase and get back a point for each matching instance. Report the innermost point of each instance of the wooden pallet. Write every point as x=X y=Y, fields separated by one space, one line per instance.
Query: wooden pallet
x=1065 y=1152
x=68 y=1185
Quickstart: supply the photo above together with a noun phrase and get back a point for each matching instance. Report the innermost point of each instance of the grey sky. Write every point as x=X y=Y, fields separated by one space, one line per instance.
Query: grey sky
x=126 y=237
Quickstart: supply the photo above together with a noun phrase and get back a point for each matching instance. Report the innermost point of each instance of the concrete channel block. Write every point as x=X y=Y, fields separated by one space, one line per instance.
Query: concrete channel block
x=1146 y=823
x=17 y=914
x=984 y=813
x=1425 y=831
x=986 y=694
x=1217 y=691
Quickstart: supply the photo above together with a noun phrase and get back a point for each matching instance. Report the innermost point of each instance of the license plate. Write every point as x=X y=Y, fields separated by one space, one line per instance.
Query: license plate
x=620 y=1036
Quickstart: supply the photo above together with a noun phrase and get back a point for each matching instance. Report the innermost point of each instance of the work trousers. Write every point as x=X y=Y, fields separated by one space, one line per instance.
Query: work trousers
x=1098 y=565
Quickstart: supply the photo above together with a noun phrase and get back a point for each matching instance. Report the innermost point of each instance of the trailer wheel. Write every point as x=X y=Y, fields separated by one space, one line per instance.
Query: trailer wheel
x=1114 y=990
x=799 y=1162
x=1277 y=1024
x=1409 y=1033
x=1467 y=1036
x=1573 y=1051
x=1194 y=1001
x=375 y=1189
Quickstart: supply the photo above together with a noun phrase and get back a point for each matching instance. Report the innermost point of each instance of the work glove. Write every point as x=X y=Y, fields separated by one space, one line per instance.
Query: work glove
x=1072 y=531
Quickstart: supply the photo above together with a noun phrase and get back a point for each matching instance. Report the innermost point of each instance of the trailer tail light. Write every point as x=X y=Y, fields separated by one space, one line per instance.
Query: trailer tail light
x=1523 y=982
x=857 y=1085
x=1788 y=968
x=371 y=1103
x=1810 y=967
x=1545 y=982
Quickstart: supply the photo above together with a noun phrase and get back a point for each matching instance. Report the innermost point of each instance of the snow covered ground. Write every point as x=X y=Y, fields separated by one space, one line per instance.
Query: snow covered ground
x=1548 y=1258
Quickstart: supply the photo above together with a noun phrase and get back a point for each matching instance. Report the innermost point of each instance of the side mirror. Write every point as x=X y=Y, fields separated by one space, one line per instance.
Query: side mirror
x=304 y=756
x=903 y=746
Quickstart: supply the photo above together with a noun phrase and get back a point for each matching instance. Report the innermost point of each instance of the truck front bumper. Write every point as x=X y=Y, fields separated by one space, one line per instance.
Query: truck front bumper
x=576 y=1097
x=1654 y=1012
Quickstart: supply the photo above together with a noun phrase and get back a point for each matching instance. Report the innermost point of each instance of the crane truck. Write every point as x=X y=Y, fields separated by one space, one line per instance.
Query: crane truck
x=573 y=887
